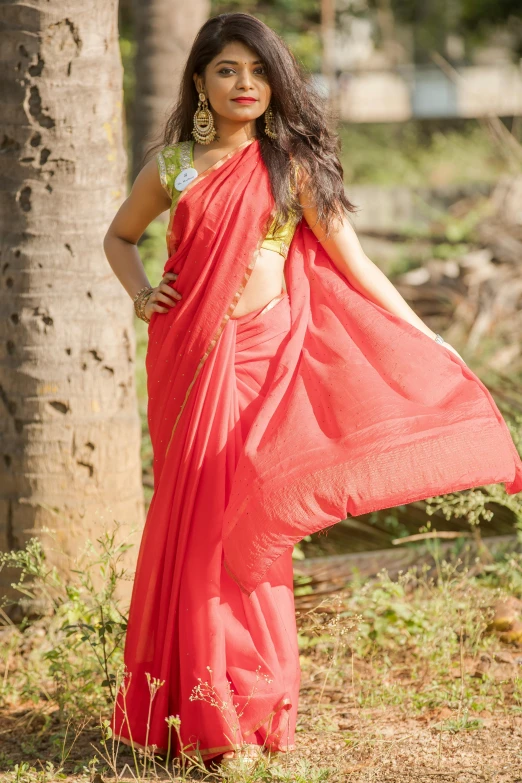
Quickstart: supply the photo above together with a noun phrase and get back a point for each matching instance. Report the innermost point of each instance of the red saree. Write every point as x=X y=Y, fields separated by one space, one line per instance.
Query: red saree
x=264 y=429
x=229 y=663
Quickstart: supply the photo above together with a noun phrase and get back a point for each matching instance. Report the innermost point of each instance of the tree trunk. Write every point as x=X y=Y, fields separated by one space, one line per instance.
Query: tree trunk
x=70 y=432
x=165 y=30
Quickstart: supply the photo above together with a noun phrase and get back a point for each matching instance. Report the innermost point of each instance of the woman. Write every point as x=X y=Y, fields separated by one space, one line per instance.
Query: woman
x=289 y=383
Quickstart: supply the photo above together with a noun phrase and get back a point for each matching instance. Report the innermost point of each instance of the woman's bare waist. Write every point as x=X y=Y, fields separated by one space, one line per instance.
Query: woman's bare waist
x=265 y=282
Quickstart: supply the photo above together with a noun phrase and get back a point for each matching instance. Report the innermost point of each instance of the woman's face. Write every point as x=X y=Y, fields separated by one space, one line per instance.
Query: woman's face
x=242 y=75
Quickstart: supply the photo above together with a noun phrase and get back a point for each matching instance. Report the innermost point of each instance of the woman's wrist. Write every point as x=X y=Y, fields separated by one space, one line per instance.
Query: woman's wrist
x=138 y=291
x=140 y=300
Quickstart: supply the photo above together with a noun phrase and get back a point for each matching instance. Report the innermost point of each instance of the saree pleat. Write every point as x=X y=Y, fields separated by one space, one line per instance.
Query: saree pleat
x=229 y=662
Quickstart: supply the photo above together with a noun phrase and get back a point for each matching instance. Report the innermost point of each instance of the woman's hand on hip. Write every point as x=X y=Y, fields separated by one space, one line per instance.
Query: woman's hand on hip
x=163 y=297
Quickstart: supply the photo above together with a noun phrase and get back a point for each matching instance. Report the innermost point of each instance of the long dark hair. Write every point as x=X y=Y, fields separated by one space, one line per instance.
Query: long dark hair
x=301 y=116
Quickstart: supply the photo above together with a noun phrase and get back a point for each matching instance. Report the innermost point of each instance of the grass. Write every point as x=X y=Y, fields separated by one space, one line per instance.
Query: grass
x=417 y=654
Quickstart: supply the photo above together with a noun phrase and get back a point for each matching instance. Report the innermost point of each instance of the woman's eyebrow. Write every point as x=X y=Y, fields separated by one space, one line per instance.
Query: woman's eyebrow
x=234 y=62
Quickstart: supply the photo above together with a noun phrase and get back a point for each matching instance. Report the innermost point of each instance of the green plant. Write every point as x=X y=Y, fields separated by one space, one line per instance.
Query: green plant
x=74 y=662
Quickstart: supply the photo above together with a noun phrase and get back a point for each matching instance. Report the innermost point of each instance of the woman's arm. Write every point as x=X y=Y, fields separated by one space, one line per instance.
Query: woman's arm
x=346 y=252
x=146 y=201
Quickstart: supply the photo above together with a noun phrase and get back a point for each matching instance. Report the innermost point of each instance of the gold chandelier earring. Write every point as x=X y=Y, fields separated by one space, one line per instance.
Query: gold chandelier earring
x=269 y=123
x=204 y=130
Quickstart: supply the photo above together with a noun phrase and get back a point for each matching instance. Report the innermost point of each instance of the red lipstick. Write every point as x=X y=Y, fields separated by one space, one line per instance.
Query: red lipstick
x=244 y=100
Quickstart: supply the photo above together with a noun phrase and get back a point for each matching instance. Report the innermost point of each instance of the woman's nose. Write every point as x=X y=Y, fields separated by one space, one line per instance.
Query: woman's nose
x=245 y=78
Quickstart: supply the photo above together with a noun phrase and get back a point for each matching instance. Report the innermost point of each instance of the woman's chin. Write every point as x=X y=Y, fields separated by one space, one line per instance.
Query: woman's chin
x=246 y=111
x=240 y=117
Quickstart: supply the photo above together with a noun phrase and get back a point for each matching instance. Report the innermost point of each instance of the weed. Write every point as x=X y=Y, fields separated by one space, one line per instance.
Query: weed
x=411 y=645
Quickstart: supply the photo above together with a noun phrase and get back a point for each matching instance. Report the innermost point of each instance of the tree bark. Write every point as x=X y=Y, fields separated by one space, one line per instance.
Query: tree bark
x=69 y=430
x=165 y=31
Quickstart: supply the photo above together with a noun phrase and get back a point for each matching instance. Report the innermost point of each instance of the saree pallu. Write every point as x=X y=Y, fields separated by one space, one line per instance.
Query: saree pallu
x=360 y=411
x=366 y=413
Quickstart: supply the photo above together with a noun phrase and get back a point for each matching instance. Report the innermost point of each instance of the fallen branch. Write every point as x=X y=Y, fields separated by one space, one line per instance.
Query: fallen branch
x=433 y=534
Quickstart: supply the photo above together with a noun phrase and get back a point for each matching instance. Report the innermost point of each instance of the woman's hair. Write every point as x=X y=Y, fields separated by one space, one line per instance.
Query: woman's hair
x=300 y=116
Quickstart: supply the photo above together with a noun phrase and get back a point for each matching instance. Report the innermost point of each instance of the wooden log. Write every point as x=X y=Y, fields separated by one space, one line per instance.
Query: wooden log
x=325 y=575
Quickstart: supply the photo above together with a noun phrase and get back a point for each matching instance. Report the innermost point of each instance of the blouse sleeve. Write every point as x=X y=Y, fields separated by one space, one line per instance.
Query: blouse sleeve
x=162 y=169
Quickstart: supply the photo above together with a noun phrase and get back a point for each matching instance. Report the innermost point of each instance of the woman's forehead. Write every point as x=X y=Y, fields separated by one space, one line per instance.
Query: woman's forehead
x=239 y=53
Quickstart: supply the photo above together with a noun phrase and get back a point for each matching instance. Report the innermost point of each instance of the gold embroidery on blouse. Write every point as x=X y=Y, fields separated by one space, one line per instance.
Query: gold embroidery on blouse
x=163 y=171
x=184 y=154
x=175 y=157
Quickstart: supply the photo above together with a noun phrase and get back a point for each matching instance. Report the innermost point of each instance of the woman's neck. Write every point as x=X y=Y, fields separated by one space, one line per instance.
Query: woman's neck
x=231 y=136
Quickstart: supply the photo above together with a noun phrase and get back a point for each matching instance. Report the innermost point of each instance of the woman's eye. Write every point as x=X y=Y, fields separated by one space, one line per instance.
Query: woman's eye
x=230 y=69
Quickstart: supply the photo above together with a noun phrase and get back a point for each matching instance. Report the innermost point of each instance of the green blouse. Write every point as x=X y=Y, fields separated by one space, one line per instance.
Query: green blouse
x=175 y=157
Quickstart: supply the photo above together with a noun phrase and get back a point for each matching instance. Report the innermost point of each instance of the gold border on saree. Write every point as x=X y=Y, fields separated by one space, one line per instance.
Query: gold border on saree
x=217 y=334
x=221 y=748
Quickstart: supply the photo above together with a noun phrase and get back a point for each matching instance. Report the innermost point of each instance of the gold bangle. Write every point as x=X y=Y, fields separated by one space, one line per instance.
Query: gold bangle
x=138 y=304
x=140 y=301
x=141 y=309
x=140 y=293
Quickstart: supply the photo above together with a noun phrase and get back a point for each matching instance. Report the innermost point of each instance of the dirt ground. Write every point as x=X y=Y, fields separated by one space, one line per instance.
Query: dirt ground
x=445 y=705
x=366 y=746
x=382 y=746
